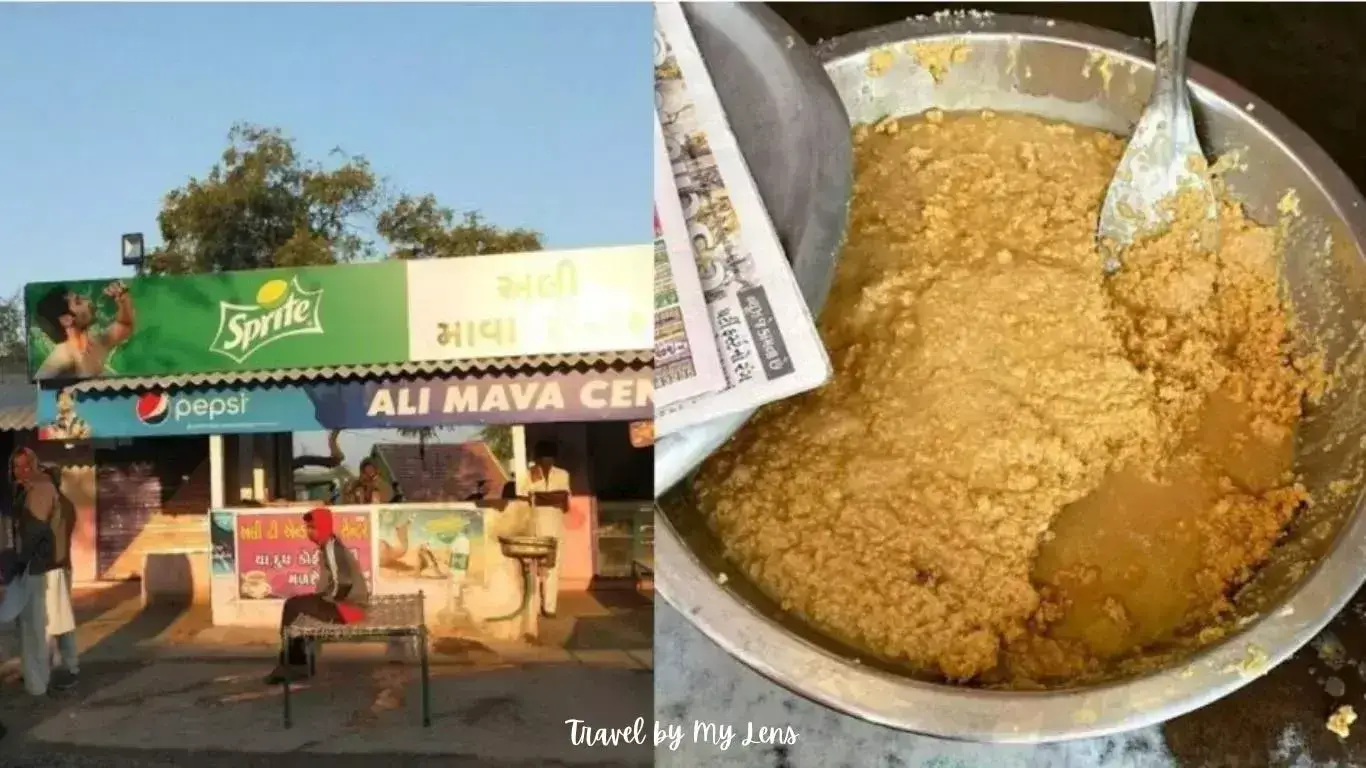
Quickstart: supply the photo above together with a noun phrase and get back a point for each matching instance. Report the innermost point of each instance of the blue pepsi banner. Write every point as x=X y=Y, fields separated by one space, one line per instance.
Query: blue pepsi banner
x=315 y=406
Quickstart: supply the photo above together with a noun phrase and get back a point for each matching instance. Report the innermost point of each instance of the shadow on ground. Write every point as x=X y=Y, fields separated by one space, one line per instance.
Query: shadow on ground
x=599 y=620
x=115 y=626
x=21 y=712
x=113 y=617
x=141 y=671
x=610 y=633
x=349 y=708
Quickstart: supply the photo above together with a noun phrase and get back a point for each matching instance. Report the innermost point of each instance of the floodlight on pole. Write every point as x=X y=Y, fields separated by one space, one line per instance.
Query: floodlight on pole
x=134 y=249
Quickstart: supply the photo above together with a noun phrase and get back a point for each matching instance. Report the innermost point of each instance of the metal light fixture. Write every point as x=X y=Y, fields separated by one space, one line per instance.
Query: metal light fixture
x=134 y=248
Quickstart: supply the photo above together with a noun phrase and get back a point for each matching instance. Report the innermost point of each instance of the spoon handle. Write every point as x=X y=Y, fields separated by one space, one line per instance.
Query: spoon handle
x=1171 y=33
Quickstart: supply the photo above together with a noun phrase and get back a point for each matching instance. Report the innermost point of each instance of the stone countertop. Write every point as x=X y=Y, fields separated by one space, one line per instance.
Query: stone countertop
x=1298 y=61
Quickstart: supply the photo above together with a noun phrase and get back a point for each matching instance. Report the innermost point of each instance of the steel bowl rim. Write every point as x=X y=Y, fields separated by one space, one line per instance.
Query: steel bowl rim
x=940 y=710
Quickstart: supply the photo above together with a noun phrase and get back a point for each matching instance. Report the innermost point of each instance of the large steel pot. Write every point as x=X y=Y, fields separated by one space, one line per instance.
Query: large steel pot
x=1097 y=78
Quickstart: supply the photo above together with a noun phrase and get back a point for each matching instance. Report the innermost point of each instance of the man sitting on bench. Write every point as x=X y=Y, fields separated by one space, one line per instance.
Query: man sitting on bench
x=341 y=597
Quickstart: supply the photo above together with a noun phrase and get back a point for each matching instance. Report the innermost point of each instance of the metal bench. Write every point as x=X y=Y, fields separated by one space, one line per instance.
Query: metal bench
x=388 y=617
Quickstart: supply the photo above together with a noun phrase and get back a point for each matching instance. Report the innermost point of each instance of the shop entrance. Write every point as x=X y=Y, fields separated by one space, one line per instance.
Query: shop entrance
x=151 y=495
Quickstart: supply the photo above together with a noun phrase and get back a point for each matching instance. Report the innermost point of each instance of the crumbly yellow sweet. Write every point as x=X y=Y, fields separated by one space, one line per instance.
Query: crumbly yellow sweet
x=939 y=57
x=1340 y=722
x=1021 y=468
x=880 y=62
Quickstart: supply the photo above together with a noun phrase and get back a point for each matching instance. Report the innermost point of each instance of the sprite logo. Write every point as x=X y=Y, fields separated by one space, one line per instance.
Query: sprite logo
x=282 y=309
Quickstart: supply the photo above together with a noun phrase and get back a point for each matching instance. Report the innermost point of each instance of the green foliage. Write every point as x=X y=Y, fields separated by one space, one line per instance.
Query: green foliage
x=498 y=437
x=418 y=228
x=12 y=329
x=264 y=205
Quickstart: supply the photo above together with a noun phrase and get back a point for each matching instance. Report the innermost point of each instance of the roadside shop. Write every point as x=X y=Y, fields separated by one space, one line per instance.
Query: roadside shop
x=227 y=367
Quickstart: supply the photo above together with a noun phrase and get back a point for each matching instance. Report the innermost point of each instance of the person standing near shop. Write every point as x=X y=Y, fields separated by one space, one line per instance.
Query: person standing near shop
x=547 y=486
x=369 y=488
x=41 y=558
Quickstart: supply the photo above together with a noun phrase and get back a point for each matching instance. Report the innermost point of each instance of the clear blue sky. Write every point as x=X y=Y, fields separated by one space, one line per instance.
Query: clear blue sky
x=536 y=115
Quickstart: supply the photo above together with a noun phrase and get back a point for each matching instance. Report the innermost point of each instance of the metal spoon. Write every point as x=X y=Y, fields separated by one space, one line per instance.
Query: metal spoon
x=1164 y=154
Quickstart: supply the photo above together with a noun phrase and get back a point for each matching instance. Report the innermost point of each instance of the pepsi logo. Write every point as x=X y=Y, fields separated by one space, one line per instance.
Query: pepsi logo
x=153 y=407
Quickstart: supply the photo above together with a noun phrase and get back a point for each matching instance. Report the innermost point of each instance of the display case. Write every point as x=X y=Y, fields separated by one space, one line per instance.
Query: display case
x=624 y=535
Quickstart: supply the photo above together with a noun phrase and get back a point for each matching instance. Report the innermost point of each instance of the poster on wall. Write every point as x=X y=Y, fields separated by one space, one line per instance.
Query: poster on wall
x=499 y=305
x=439 y=552
x=223 y=543
x=418 y=545
x=442 y=550
x=612 y=395
x=276 y=559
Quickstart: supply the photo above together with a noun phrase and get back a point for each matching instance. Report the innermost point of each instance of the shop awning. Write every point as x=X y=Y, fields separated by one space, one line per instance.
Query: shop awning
x=502 y=365
x=17 y=407
x=521 y=390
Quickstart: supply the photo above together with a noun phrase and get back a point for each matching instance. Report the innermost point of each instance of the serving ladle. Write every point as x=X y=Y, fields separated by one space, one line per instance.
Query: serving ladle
x=1163 y=157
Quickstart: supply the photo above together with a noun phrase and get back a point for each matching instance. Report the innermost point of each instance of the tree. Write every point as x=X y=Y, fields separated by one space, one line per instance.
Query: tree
x=498 y=437
x=12 y=346
x=418 y=228
x=264 y=205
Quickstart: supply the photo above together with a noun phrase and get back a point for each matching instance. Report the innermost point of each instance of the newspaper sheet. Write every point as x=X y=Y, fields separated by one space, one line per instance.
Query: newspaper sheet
x=686 y=361
x=768 y=344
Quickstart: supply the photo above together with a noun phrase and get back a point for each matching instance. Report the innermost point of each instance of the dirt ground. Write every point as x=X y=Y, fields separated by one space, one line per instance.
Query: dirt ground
x=145 y=669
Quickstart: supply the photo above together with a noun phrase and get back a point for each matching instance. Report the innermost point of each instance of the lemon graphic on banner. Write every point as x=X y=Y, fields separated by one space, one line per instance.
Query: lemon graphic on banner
x=271 y=293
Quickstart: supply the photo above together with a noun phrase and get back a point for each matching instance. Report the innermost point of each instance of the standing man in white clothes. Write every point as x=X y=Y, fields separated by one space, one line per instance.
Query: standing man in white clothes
x=547 y=485
x=43 y=555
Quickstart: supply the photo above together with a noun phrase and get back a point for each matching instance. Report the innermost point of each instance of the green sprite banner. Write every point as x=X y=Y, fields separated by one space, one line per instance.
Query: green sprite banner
x=590 y=300
x=232 y=321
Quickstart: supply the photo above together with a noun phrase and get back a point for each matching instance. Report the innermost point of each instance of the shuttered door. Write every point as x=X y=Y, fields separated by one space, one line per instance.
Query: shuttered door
x=151 y=495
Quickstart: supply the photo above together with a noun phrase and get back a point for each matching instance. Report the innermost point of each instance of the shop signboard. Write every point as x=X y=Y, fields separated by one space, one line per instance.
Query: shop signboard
x=319 y=406
x=229 y=321
x=275 y=559
x=444 y=550
x=590 y=300
x=500 y=305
